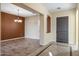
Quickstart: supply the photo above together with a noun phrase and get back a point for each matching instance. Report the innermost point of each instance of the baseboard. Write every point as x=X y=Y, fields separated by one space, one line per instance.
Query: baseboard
x=32 y=38
x=11 y=39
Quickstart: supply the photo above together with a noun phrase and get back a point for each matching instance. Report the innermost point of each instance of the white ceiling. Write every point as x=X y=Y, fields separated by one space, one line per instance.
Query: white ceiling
x=52 y=7
x=13 y=9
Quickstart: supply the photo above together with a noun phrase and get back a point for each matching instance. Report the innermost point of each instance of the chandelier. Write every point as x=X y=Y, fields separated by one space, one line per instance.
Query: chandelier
x=18 y=20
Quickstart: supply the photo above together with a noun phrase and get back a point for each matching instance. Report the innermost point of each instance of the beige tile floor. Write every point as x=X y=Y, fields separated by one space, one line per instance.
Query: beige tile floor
x=19 y=47
x=59 y=49
x=24 y=47
x=56 y=50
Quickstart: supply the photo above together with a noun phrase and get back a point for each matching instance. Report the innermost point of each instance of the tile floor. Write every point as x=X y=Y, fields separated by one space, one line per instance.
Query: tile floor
x=59 y=49
x=19 y=47
x=24 y=47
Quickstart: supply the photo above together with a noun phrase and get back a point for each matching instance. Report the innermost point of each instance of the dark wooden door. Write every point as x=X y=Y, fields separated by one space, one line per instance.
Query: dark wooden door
x=62 y=29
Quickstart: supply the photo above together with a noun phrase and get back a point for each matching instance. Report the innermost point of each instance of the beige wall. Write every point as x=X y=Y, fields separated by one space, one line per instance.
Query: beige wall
x=0 y=29
x=0 y=26
x=77 y=26
x=0 y=22
x=0 y=32
x=45 y=37
x=72 y=18
x=48 y=37
x=32 y=27
x=41 y=29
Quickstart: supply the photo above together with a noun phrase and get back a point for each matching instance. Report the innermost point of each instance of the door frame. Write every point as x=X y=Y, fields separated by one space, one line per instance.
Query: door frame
x=68 y=28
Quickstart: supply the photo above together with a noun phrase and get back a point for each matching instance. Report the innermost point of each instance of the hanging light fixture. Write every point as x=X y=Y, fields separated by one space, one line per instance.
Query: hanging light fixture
x=18 y=20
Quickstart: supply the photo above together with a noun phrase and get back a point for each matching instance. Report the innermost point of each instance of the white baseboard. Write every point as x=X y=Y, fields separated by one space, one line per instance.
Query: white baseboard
x=11 y=39
x=31 y=38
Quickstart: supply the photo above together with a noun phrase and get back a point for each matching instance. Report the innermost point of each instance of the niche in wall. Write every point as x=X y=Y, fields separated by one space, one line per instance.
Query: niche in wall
x=11 y=29
x=48 y=24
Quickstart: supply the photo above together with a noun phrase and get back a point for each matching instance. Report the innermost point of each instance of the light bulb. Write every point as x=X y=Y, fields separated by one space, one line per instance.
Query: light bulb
x=20 y=21
x=15 y=20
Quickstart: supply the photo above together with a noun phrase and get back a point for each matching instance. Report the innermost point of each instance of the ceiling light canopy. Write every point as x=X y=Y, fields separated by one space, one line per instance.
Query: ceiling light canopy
x=58 y=8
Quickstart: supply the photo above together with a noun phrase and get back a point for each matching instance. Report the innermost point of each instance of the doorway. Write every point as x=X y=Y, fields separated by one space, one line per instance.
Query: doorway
x=62 y=29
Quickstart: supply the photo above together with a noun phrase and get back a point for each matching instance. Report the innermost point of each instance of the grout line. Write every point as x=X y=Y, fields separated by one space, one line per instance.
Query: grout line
x=43 y=50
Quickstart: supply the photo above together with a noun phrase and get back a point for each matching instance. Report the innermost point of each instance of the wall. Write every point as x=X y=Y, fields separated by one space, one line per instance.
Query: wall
x=0 y=33
x=45 y=37
x=0 y=21
x=32 y=27
x=48 y=37
x=11 y=29
x=72 y=19
x=77 y=26
x=0 y=28
x=0 y=25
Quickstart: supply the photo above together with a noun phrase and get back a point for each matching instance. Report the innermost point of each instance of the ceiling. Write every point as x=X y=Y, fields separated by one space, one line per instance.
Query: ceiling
x=13 y=9
x=54 y=7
